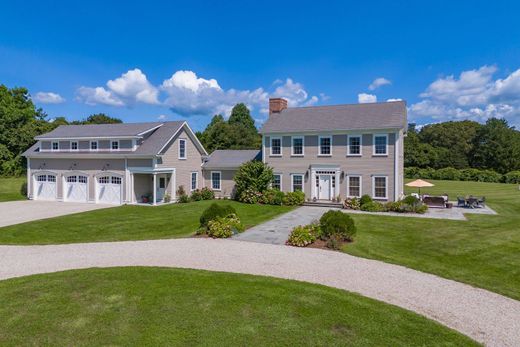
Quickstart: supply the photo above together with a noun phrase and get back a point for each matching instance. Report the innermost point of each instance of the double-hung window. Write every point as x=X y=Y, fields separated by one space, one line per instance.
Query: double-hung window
x=297 y=182
x=194 y=179
x=182 y=149
x=277 y=182
x=114 y=145
x=354 y=145
x=325 y=145
x=297 y=145
x=354 y=186
x=55 y=146
x=215 y=180
x=93 y=145
x=379 y=184
x=74 y=146
x=381 y=144
x=276 y=146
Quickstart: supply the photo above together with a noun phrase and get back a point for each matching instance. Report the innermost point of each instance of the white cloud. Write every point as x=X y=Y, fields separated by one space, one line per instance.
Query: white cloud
x=134 y=86
x=49 y=98
x=364 y=98
x=98 y=95
x=162 y=117
x=390 y=100
x=474 y=94
x=378 y=82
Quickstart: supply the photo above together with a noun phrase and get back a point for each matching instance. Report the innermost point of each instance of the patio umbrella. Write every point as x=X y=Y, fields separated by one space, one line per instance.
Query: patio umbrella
x=419 y=184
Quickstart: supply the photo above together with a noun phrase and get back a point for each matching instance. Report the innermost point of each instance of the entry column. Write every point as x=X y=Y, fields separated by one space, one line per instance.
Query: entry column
x=154 y=189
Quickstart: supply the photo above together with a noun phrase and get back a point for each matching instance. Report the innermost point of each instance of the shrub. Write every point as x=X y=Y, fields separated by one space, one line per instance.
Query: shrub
x=23 y=189
x=207 y=194
x=447 y=173
x=182 y=196
x=337 y=223
x=272 y=197
x=352 y=203
x=253 y=176
x=365 y=199
x=421 y=209
x=395 y=206
x=334 y=242
x=372 y=206
x=411 y=200
x=411 y=172
x=294 y=198
x=250 y=196
x=512 y=177
x=223 y=227
x=213 y=211
x=301 y=236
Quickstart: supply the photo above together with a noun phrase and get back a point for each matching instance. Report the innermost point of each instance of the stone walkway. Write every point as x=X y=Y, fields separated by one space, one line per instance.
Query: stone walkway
x=276 y=231
x=486 y=317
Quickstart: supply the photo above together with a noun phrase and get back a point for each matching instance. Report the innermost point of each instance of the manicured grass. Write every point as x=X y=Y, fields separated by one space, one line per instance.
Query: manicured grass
x=10 y=188
x=129 y=223
x=483 y=251
x=175 y=307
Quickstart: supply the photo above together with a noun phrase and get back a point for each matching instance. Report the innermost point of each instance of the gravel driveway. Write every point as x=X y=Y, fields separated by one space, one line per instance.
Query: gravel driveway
x=485 y=316
x=15 y=212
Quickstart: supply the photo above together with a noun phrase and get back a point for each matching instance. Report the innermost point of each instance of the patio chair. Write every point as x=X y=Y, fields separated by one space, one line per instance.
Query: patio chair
x=482 y=202
x=461 y=202
x=472 y=202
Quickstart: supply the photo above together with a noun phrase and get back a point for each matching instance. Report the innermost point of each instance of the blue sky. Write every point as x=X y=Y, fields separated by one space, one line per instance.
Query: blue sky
x=142 y=61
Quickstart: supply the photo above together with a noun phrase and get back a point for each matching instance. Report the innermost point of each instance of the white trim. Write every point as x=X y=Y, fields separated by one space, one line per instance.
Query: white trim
x=29 y=182
x=303 y=146
x=263 y=149
x=303 y=181
x=52 y=146
x=281 y=180
x=374 y=187
x=374 y=145
x=319 y=146
x=271 y=146
x=77 y=145
x=333 y=132
x=185 y=149
x=397 y=178
x=118 y=146
x=151 y=129
x=196 y=138
x=196 y=181
x=192 y=134
x=360 y=186
x=360 y=145
x=219 y=182
x=84 y=138
x=90 y=145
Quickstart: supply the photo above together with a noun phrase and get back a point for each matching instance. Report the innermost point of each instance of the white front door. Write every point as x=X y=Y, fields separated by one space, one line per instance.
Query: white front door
x=45 y=187
x=161 y=187
x=324 y=187
x=109 y=189
x=76 y=188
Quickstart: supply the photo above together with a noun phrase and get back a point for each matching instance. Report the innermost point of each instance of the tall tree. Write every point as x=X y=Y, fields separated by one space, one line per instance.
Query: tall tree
x=98 y=118
x=240 y=115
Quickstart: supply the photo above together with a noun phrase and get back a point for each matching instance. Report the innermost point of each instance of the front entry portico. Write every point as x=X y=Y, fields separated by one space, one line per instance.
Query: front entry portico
x=325 y=182
x=151 y=186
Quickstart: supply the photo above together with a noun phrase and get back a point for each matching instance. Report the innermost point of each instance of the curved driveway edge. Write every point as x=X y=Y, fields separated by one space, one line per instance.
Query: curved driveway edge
x=487 y=317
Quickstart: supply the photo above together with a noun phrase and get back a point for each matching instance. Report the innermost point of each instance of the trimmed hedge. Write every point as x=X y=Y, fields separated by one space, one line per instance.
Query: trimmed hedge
x=452 y=174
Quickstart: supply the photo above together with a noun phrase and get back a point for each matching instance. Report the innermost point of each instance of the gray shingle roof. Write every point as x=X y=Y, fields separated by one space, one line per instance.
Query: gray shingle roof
x=381 y=115
x=231 y=159
x=98 y=130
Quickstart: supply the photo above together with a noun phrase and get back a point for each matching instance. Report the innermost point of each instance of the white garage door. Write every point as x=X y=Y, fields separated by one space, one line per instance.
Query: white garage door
x=45 y=187
x=109 y=189
x=76 y=187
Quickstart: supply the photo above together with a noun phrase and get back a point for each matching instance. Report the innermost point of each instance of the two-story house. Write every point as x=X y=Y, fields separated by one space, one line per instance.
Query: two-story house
x=342 y=150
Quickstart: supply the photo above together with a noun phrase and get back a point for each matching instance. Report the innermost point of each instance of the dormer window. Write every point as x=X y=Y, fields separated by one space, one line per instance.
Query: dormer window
x=93 y=145
x=114 y=145
x=55 y=146
x=74 y=145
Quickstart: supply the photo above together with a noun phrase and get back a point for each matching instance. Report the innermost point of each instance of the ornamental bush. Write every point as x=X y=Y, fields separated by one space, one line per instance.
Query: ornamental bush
x=365 y=199
x=352 y=203
x=223 y=227
x=196 y=195
x=215 y=210
x=250 y=196
x=337 y=223
x=372 y=206
x=272 y=197
x=301 y=236
x=294 y=198
x=207 y=194
x=253 y=176
x=512 y=177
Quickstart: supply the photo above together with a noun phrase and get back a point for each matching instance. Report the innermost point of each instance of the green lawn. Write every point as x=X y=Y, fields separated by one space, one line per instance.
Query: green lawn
x=10 y=189
x=484 y=251
x=177 y=307
x=129 y=223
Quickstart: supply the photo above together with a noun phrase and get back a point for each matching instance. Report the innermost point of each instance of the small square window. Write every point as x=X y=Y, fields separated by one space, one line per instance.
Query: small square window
x=93 y=145
x=74 y=145
x=55 y=146
x=115 y=145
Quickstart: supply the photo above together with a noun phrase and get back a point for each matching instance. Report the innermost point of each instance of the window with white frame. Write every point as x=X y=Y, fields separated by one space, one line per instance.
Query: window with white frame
x=194 y=179
x=297 y=182
x=277 y=182
x=354 y=186
x=297 y=145
x=380 y=144
x=215 y=180
x=354 y=145
x=114 y=145
x=379 y=187
x=74 y=146
x=276 y=146
x=93 y=145
x=55 y=146
x=325 y=145
x=182 y=149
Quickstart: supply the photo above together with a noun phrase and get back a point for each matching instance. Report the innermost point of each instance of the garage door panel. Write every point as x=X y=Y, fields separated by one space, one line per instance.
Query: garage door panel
x=76 y=187
x=45 y=187
x=109 y=189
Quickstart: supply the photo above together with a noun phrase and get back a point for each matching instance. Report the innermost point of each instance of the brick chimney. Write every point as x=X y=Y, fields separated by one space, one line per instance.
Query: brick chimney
x=277 y=105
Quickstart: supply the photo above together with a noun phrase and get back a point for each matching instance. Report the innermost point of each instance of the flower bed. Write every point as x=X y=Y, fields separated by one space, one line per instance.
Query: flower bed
x=410 y=204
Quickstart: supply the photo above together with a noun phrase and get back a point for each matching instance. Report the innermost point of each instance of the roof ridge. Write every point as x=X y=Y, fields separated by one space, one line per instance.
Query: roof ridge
x=352 y=104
